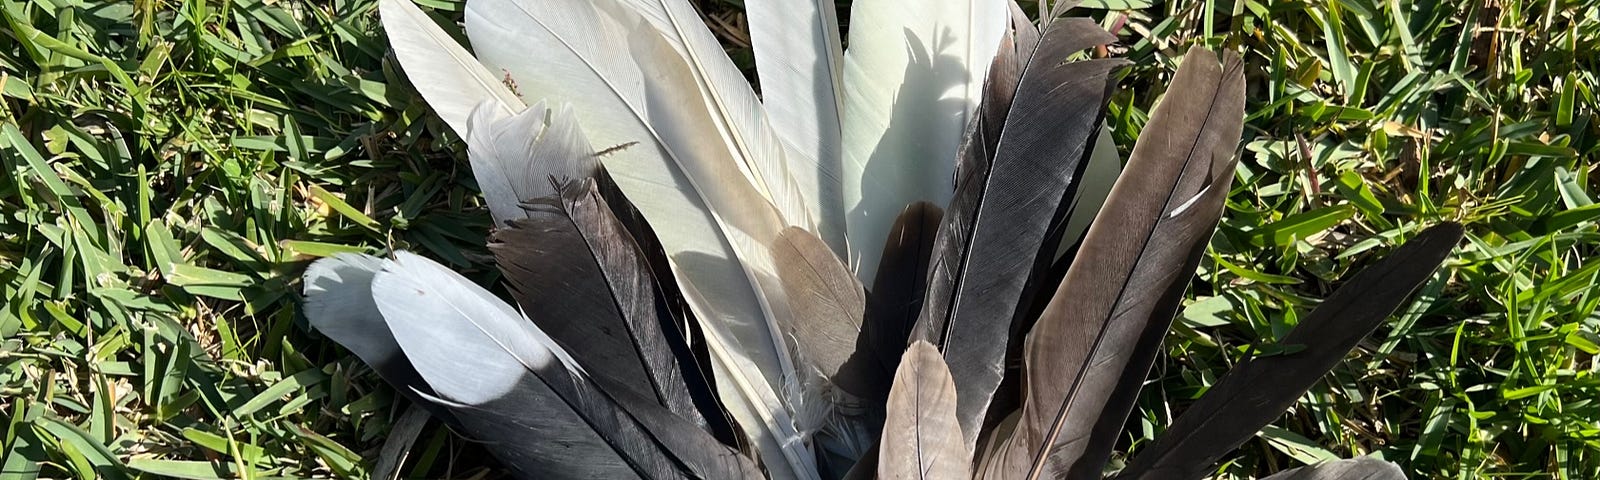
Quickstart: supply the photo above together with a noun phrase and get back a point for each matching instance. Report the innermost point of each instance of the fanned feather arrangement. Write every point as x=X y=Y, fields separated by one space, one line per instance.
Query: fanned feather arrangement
x=839 y=279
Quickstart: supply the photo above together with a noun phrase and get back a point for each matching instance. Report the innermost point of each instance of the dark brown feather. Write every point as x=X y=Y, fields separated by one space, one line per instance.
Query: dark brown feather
x=581 y=278
x=1259 y=390
x=994 y=232
x=1095 y=341
x=683 y=335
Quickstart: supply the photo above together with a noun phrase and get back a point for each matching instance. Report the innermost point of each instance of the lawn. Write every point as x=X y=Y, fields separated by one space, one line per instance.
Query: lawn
x=168 y=169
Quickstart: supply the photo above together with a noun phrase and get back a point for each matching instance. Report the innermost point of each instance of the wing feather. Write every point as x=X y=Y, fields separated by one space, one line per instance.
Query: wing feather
x=1092 y=347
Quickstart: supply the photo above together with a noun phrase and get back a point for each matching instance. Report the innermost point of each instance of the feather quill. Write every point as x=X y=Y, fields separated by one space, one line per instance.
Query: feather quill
x=1359 y=468
x=911 y=81
x=572 y=262
x=520 y=393
x=1095 y=341
x=921 y=437
x=515 y=157
x=339 y=304
x=999 y=220
x=712 y=222
x=449 y=78
x=1258 y=390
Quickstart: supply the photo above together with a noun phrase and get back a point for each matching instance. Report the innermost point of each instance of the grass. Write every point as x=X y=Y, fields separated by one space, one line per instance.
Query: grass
x=167 y=168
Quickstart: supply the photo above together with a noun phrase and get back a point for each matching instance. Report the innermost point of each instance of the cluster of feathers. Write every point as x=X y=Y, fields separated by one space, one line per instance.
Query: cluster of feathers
x=912 y=259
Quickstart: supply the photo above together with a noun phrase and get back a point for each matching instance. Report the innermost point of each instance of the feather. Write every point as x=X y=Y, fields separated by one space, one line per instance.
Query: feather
x=828 y=309
x=896 y=297
x=693 y=356
x=1056 y=9
x=911 y=81
x=921 y=437
x=1019 y=41
x=338 y=303
x=1095 y=341
x=1258 y=390
x=892 y=310
x=829 y=306
x=998 y=222
x=572 y=262
x=737 y=114
x=799 y=61
x=1359 y=468
x=1024 y=34
x=446 y=75
x=634 y=89
x=515 y=157
x=1104 y=165
x=520 y=393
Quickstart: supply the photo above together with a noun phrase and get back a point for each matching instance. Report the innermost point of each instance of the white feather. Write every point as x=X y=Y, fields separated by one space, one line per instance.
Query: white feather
x=430 y=307
x=912 y=76
x=513 y=157
x=339 y=304
x=786 y=177
x=446 y=75
x=800 y=62
x=634 y=88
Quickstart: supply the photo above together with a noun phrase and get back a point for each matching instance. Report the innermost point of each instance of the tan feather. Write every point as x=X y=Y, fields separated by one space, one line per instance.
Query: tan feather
x=921 y=439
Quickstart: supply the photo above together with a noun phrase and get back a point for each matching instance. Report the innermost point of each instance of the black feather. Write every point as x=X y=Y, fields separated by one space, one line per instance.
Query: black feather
x=684 y=335
x=1259 y=390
